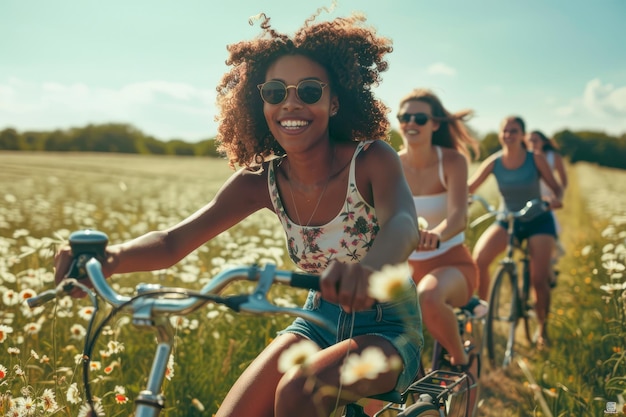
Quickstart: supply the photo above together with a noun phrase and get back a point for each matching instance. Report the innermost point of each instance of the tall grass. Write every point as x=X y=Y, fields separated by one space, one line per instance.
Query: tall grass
x=589 y=308
x=43 y=197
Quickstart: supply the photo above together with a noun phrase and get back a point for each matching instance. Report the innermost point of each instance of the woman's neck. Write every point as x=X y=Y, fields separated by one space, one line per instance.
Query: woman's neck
x=309 y=171
x=514 y=151
x=419 y=155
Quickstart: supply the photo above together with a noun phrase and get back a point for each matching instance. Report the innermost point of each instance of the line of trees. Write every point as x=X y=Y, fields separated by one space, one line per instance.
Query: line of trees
x=594 y=147
x=586 y=146
x=111 y=137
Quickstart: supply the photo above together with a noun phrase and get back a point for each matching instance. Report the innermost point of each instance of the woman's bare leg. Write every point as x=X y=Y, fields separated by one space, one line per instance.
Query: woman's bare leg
x=253 y=392
x=489 y=245
x=313 y=391
x=540 y=251
x=439 y=292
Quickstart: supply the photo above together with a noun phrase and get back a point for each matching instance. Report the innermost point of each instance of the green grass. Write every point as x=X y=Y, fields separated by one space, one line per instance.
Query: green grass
x=44 y=197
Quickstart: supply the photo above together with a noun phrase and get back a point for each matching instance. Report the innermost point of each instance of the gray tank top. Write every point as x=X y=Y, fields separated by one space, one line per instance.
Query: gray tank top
x=517 y=186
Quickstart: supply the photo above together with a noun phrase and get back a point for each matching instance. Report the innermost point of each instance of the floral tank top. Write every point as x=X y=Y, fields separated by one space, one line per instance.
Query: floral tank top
x=346 y=238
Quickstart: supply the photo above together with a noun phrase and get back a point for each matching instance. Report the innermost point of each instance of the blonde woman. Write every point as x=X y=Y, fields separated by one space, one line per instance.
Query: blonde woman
x=434 y=159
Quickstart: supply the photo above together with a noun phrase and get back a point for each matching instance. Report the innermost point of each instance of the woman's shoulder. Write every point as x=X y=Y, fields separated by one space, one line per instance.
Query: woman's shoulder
x=254 y=175
x=376 y=152
x=539 y=156
x=453 y=161
x=451 y=155
x=374 y=147
x=491 y=159
x=375 y=158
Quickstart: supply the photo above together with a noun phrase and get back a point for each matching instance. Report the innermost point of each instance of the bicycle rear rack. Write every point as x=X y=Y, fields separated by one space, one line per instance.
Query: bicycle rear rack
x=441 y=383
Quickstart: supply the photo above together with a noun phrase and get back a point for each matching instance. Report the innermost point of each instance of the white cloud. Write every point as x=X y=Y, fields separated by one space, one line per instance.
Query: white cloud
x=439 y=68
x=599 y=107
x=159 y=108
x=605 y=99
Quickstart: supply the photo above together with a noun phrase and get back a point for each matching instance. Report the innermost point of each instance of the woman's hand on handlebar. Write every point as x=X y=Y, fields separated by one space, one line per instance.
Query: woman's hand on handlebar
x=62 y=263
x=555 y=203
x=64 y=260
x=347 y=285
x=429 y=240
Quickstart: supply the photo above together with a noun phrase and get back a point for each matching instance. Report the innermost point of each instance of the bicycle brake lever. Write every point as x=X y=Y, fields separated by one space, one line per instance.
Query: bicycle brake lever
x=257 y=302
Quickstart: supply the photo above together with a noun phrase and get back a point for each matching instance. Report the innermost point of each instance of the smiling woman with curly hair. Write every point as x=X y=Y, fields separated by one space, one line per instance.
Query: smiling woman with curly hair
x=340 y=194
x=298 y=114
x=351 y=54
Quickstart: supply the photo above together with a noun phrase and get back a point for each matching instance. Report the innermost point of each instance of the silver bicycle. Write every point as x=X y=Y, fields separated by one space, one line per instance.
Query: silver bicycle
x=152 y=305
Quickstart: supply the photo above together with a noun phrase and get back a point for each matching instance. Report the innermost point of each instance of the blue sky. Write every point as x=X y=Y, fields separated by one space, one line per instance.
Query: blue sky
x=155 y=63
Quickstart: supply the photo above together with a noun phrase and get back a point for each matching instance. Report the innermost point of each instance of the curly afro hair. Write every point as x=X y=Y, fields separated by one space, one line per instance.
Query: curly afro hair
x=351 y=53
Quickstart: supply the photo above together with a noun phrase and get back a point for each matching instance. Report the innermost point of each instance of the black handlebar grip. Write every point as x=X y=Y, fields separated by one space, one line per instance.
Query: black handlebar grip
x=42 y=298
x=85 y=244
x=307 y=281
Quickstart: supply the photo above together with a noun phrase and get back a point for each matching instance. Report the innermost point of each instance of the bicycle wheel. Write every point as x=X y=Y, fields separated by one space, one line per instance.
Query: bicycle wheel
x=529 y=316
x=502 y=317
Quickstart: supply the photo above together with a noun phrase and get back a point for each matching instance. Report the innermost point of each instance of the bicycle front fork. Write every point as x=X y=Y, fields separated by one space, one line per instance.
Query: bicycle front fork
x=151 y=401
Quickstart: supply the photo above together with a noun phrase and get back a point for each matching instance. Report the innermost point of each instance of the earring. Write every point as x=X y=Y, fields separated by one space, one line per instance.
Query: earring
x=333 y=113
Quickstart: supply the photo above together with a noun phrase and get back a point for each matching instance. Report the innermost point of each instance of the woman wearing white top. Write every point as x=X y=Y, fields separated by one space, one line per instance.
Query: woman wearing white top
x=435 y=163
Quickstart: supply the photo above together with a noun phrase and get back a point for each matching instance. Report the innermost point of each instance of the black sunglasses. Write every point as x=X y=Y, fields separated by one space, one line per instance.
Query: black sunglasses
x=420 y=119
x=307 y=91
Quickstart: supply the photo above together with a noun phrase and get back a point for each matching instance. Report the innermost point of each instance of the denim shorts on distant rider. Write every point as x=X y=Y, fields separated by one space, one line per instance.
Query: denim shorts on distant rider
x=399 y=322
x=543 y=224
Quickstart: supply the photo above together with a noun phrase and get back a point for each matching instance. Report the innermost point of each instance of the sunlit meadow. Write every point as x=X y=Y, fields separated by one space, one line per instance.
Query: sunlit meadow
x=44 y=197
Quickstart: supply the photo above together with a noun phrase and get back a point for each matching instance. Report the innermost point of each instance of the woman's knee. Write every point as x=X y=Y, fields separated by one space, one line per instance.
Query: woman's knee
x=289 y=395
x=429 y=298
x=299 y=390
x=484 y=257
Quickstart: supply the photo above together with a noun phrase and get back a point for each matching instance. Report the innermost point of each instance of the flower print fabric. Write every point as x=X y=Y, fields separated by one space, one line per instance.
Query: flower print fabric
x=347 y=238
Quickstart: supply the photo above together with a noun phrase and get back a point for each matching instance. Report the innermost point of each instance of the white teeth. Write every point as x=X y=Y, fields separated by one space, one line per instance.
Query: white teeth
x=293 y=124
x=412 y=132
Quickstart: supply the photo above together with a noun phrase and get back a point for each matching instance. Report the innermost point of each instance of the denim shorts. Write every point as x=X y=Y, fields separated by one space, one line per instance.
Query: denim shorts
x=543 y=224
x=399 y=322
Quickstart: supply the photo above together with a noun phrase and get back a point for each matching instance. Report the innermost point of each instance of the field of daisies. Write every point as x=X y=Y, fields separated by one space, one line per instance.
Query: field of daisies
x=45 y=197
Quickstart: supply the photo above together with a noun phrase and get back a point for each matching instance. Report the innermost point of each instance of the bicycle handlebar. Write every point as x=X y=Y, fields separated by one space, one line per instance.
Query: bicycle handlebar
x=153 y=299
x=530 y=209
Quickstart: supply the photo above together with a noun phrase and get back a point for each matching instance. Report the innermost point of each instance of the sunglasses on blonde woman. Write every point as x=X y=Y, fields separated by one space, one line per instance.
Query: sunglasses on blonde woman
x=420 y=119
x=307 y=91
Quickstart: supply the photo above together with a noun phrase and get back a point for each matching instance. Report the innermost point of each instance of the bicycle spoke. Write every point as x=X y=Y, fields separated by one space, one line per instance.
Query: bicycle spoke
x=502 y=319
x=529 y=315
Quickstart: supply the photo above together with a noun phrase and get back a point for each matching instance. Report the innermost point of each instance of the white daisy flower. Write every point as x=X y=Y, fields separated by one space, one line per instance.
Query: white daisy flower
x=73 y=396
x=368 y=365
x=391 y=282
x=297 y=355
